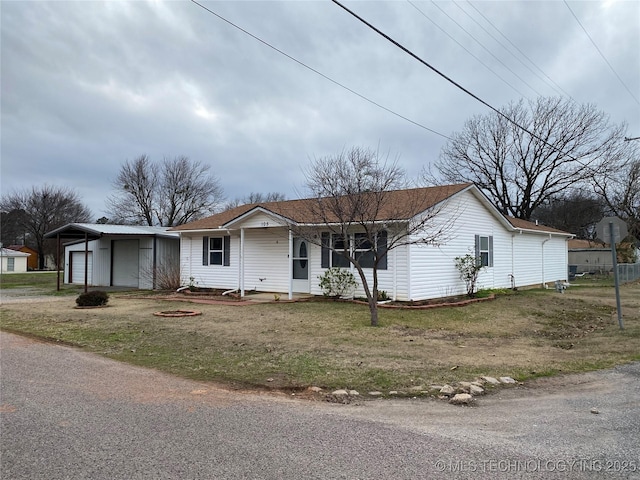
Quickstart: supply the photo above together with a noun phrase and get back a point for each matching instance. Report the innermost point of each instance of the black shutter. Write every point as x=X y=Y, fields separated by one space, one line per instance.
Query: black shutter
x=325 y=239
x=205 y=250
x=226 y=250
x=382 y=250
x=491 y=251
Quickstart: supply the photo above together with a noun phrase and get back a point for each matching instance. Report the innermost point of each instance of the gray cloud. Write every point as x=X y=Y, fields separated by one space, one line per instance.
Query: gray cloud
x=87 y=85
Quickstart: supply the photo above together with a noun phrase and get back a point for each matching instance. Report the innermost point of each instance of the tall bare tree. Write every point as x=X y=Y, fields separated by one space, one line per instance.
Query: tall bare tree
x=620 y=189
x=518 y=171
x=358 y=214
x=42 y=209
x=174 y=192
x=256 y=197
x=575 y=211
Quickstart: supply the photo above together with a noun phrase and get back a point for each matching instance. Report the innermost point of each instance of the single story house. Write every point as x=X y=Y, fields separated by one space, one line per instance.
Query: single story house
x=590 y=256
x=32 y=260
x=13 y=261
x=253 y=247
x=107 y=255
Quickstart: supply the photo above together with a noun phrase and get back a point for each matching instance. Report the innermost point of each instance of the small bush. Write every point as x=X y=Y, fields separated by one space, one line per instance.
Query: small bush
x=96 y=298
x=337 y=282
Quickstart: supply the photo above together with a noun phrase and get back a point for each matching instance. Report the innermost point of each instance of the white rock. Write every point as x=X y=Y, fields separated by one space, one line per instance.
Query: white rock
x=491 y=380
x=476 y=390
x=507 y=380
x=461 y=399
x=315 y=389
x=393 y=392
x=340 y=392
x=595 y=411
x=447 y=390
x=375 y=394
x=353 y=393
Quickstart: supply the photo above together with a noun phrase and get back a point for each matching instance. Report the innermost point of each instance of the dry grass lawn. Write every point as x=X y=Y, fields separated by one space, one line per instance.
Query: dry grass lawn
x=294 y=345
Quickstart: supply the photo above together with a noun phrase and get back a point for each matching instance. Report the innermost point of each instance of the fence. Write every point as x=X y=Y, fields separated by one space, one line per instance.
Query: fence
x=628 y=272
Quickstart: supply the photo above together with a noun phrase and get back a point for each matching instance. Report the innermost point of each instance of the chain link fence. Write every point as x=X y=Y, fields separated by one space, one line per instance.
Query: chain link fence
x=627 y=272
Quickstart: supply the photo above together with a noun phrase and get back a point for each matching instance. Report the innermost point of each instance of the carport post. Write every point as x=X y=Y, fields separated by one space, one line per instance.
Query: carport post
x=86 y=261
x=58 y=262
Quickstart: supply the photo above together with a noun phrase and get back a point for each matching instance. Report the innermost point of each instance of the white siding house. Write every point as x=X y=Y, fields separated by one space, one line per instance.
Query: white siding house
x=106 y=255
x=253 y=247
x=13 y=261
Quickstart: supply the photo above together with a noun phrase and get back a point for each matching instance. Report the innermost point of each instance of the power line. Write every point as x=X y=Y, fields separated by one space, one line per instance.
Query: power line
x=428 y=65
x=486 y=49
x=465 y=48
x=518 y=49
x=601 y=54
x=318 y=72
x=499 y=42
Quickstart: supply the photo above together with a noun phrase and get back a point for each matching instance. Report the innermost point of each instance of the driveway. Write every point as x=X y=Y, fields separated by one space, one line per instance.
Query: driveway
x=69 y=414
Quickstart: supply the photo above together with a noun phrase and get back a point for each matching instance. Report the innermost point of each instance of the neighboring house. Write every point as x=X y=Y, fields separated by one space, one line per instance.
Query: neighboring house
x=116 y=255
x=251 y=247
x=13 y=261
x=32 y=260
x=590 y=256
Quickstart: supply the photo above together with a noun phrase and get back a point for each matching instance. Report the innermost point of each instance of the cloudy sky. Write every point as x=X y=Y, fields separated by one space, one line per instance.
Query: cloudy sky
x=87 y=85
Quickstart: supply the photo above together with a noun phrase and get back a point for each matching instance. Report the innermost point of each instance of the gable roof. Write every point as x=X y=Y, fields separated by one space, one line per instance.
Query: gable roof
x=302 y=211
x=7 y=252
x=97 y=230
x=400 y=205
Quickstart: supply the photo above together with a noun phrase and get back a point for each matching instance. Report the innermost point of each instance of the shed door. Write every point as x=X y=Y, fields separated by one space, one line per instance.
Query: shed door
x=125 y=263
x=76 y=268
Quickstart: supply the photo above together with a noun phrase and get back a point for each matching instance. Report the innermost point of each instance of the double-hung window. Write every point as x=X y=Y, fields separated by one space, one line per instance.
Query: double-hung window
x=359 y=245
x=484 y=250
x=216 y=250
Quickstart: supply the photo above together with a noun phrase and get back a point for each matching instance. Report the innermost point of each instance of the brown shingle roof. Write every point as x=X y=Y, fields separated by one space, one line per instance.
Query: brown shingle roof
x=398 y=205
x=526 y=225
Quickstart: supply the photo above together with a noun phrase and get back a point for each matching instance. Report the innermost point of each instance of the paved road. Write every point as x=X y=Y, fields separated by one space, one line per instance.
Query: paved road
x=66 y=414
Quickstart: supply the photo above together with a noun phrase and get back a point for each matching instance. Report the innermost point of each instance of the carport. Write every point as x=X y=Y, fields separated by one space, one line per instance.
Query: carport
x=110 y=255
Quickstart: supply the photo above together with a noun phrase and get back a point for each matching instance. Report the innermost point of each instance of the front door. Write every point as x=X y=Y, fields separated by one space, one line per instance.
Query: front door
x=300 y=265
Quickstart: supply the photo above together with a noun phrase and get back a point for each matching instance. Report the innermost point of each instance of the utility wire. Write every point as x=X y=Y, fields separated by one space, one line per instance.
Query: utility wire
x=519 y=50
x=601 y=54
x=319 y=73
x=499 y=42
x=428 y=65
x=486 y=49
x=465 y=48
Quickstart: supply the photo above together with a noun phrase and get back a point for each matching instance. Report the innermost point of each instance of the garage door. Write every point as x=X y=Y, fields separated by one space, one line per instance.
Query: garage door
x=125 y=263
x=77 y=268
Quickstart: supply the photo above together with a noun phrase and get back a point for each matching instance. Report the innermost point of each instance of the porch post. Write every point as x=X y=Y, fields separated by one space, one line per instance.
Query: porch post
x=290 y=265
x=241 y=272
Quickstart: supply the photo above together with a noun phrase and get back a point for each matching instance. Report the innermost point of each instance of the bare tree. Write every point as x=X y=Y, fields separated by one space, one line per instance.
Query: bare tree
x=620 y=189
x=358 y=214
x=256 y=197
x=43 y=209
x=172 y=193
x=519 y=172
x=577 y=212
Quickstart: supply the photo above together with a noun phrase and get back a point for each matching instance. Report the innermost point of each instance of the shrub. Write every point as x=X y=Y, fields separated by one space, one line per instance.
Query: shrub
x=469 y=268
x=96 y=298
x=337 y=282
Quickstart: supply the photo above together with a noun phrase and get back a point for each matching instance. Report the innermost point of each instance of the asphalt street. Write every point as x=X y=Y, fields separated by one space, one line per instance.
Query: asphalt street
x=67 y=414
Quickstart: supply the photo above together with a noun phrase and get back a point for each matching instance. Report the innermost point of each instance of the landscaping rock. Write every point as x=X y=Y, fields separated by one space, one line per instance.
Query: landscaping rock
x=491 y=380
x=461 y=399
x=340 y=392
x=375 y=394
x=476 y=390
x=353 y=393
x=507 y=380
x=447 y=390
x=315 y=389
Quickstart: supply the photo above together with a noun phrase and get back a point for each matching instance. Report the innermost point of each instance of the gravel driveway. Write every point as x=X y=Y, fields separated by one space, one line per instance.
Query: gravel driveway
x=69 y=414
